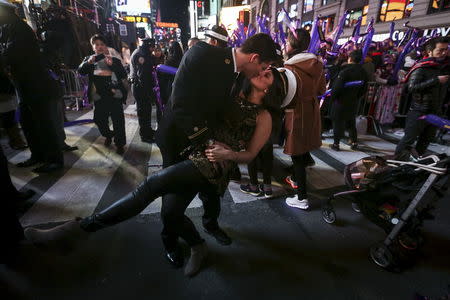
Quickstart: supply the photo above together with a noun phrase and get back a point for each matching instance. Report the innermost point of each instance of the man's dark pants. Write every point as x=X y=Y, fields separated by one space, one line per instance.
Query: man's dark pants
x=143 y=97
x=339 y=127
x=416 y=130
x=39 y=120
x=110 y=107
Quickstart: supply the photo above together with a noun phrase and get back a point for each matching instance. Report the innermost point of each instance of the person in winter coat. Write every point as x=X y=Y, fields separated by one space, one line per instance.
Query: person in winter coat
x=106 y=91
x=427 y=85
x=302 y=115
x=345 y=100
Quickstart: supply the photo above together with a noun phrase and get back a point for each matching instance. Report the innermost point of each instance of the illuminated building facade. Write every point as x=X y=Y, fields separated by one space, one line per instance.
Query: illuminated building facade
x=424 y=14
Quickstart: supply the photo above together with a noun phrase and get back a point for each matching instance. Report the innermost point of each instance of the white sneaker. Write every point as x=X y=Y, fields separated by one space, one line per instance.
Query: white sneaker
x=294 y=202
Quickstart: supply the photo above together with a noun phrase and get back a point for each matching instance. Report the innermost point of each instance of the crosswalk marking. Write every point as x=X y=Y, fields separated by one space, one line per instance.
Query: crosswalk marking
x=239 y=197
x=378 y=144
x=346 y=155
x=321 y=176
x=78 y=192
x=21 y=176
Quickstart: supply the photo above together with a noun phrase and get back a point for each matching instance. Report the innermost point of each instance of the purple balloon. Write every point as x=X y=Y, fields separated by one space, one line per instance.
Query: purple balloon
x=166 y=69
x=437 y=121
x=353 y=83
x=347 y=84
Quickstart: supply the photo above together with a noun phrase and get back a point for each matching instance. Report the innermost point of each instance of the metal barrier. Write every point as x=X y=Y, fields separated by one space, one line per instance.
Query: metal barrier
x=75 y=89
x=366 y=107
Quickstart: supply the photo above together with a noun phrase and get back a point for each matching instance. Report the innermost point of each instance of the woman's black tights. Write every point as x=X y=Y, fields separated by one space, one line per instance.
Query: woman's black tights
x=183 y=178
x=265 y=158
x=300 y=163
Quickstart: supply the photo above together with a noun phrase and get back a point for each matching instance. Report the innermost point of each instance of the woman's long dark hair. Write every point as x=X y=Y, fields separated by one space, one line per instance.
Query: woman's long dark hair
x=175 y=54
x=272 y=100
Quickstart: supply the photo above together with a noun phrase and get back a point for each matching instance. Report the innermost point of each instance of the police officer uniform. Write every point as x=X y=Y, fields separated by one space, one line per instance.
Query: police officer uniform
x=142 y=64
x=201 y=93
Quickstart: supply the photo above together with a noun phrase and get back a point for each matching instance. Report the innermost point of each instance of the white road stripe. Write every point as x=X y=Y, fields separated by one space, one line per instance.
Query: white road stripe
x=346 y=155
x=240 y=197
x=378 y=144
x=21 y=176
x=321 y=176
x=78 y=192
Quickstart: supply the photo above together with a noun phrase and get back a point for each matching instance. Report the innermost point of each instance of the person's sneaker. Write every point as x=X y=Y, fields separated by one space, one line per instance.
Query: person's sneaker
x=294 y=202
x=291 y=182
x=120 y=150
x=335 y=147
x=108 y=142
x=266 y=191
x=246 y=188
x=354 y=146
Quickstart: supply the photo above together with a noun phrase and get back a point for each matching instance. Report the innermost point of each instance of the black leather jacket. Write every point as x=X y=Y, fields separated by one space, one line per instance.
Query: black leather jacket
x=427 y=93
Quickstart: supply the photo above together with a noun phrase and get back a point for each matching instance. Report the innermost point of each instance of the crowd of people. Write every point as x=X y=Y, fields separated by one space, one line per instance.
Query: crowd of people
x=223 y=107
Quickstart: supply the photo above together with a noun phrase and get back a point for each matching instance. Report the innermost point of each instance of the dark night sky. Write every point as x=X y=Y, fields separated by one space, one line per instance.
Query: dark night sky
x=176 y=11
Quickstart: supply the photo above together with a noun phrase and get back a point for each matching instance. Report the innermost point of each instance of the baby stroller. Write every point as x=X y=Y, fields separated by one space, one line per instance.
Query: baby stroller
x=396 y=196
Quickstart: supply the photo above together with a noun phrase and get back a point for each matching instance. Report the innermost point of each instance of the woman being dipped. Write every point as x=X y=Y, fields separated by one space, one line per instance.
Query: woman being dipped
x=246 y=128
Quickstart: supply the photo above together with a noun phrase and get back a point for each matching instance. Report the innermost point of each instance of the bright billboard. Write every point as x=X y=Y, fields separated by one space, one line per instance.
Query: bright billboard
x=230 y=15
x=134 y=7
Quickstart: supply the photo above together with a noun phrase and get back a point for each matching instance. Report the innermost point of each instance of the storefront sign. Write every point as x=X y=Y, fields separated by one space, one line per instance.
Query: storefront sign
x=398 y=35
x=164 y=24
x=442 y=31
x=135 y=19
x=133 y=7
